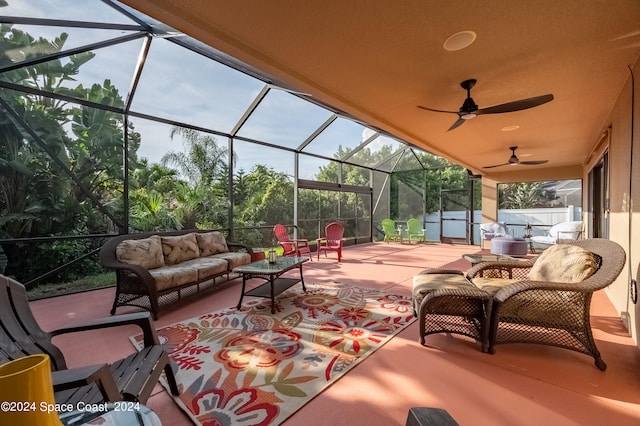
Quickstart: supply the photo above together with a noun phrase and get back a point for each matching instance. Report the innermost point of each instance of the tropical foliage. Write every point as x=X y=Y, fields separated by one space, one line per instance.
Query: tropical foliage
x=526 y=195
x=62 y=173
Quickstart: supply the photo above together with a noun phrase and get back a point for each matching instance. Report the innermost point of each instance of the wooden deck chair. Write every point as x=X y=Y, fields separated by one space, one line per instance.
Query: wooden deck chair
x=130 y=379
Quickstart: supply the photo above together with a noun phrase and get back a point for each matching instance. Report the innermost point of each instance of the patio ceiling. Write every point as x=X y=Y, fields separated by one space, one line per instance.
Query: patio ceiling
x=379 y=60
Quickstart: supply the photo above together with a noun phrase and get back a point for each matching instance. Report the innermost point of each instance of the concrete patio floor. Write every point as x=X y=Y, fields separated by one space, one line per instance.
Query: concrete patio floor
x=521 y=384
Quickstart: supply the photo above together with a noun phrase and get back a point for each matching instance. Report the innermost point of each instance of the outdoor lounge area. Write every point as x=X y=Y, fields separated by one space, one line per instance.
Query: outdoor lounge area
x=152 y=150
x=519 y=384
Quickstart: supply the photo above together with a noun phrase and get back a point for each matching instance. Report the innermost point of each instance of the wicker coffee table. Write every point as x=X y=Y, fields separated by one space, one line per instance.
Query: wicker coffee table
x=270 y=272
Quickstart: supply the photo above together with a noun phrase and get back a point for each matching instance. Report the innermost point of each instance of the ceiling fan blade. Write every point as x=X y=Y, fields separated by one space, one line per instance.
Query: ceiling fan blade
x=436 y=110
x=457 y=124
x=497 y=165
x=533 y=163
x=516 y=105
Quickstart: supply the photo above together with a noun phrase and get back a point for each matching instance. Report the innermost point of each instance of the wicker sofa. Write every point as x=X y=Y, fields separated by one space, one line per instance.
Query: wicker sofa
x=157 y=267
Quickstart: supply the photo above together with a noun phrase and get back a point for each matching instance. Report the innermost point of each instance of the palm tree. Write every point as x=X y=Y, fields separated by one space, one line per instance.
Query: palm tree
x=203 y=159
x=204 y=164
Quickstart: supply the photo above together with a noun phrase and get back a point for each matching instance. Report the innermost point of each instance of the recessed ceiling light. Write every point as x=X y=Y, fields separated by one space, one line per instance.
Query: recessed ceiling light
x=510 y=128
x=459 y=40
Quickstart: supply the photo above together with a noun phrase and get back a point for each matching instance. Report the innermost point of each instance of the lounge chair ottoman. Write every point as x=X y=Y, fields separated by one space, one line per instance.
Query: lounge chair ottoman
x=446 y=302
x=509 y=246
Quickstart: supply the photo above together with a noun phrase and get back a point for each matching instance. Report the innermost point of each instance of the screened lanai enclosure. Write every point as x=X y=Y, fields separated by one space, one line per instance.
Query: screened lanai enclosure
x=113 y=123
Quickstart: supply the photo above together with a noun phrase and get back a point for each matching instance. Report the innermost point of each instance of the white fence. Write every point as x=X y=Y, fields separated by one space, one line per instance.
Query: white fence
x=540 y=220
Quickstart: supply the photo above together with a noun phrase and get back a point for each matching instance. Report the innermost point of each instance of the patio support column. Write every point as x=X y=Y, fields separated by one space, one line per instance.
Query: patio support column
x=296 y=164
x=125 y=176
x=230 y=187
x=489 y=200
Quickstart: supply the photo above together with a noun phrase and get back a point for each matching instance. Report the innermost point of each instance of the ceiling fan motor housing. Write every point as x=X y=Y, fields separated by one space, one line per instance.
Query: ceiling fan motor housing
x=513 y=159
x=468 y=107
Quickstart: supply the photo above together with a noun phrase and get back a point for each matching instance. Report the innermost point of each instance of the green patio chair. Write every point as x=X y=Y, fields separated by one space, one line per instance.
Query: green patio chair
x=416 y=231
x=390 y=231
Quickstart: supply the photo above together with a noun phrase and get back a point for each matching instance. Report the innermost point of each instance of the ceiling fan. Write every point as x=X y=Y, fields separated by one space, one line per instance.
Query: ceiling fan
x=469 y=108
x=514 y=160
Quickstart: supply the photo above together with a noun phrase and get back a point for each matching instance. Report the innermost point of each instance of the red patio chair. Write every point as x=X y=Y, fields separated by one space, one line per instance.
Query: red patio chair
x=332 y=241
x=295 y=247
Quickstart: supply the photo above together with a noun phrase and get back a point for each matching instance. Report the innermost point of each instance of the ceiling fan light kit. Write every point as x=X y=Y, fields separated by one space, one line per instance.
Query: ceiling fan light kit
x=469 y=108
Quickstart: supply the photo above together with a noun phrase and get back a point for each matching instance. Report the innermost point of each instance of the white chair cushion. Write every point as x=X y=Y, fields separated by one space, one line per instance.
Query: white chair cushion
x=543 y=239
x=566 y=230
x=495 y=229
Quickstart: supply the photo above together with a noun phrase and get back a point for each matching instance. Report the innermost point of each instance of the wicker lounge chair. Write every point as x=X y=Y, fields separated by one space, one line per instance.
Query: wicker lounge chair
x=546 y=312
x=131 y=379
x=544 y=300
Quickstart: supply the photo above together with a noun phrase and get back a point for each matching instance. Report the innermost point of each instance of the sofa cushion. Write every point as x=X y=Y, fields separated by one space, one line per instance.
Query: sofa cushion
x=179 y=248
x=211 y=243
x=146 y=252
x=168 y=277
x=234 y=258
x=208 y=267
x=564 y=263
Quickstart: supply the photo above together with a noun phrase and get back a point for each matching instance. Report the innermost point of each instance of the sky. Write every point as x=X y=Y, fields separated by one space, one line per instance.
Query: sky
x=180 y=85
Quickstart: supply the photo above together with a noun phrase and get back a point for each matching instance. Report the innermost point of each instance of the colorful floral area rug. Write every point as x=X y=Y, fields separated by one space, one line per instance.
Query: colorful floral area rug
x=251 y=367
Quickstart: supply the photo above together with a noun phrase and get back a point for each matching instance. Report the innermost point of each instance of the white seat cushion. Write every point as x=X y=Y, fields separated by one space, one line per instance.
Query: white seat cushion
x=566 y=230
x=543 y=239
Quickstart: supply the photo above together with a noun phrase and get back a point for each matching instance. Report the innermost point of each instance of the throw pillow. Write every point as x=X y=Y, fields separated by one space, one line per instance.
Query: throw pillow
x=211 y=243
x=180 y=248
x=146 y=252
x=564 y=263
